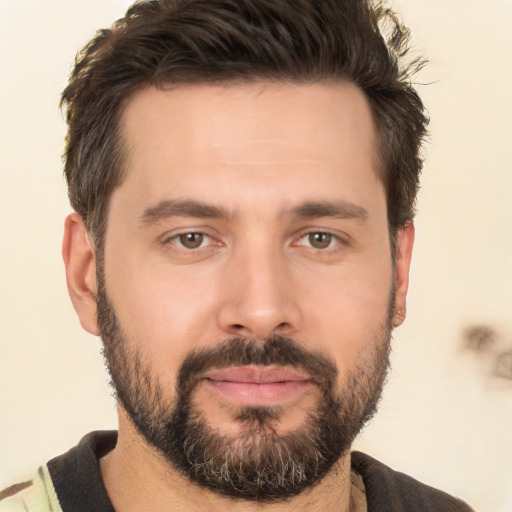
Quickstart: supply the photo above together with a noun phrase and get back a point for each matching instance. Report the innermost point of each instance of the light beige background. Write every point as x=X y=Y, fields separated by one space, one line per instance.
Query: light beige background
x=444 y=419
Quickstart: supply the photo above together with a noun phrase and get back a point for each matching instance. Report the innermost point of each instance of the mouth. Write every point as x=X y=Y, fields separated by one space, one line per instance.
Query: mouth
x=258 y=385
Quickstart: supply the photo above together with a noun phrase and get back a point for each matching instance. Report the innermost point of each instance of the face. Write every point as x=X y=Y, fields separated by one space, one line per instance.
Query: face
x=247 y=289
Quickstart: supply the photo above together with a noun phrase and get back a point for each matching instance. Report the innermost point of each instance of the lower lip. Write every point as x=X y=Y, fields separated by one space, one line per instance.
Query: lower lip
x=259 y=394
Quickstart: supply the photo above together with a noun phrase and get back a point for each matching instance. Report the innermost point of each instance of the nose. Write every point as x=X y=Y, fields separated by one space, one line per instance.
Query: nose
x=259 y=298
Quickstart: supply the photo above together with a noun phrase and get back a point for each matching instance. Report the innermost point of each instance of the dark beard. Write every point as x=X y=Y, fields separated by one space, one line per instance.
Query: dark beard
x=257 y=464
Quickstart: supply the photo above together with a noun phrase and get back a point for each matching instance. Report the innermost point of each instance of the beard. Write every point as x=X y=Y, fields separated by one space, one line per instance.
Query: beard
x=257 y=463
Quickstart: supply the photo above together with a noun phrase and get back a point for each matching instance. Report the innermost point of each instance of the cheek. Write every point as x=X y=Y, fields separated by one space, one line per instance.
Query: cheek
x=163 y=312
x=347 y=312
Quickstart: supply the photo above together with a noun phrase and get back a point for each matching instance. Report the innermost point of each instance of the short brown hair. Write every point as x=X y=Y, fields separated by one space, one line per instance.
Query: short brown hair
x=161 y=42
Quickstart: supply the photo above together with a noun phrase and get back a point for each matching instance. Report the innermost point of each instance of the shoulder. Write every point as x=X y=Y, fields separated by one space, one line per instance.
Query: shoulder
x=36 y=495
x=389 y=490
x=70 y=481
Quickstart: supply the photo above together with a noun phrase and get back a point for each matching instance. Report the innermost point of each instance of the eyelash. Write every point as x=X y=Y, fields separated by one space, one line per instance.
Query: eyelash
x=333 y=242
x=177 y=240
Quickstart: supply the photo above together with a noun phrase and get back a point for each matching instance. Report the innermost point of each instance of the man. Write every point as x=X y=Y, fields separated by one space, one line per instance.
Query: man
x=243 y=175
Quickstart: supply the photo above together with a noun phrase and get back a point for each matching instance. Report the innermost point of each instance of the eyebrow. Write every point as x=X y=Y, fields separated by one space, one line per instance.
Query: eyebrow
x=308 y=210
x=337 y=210
x=181 y=208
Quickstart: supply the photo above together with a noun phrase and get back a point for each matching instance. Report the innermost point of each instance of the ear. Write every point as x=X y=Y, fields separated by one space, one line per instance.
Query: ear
x=404 y=244
x=80 y=262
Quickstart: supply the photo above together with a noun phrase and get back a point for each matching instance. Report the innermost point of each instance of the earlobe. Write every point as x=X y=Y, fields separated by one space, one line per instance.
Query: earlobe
x=80 y=262
x=404 y=245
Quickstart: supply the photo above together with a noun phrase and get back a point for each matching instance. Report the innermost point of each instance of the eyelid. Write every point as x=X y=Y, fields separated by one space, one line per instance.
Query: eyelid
x=169 y=236
x=341 y=239
x=334 y=238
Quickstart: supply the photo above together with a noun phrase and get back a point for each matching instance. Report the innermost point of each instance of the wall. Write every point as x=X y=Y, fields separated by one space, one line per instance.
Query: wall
x=444 y=418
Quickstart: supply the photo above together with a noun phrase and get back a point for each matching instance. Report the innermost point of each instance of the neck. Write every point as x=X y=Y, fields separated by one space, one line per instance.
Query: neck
x=137 y=477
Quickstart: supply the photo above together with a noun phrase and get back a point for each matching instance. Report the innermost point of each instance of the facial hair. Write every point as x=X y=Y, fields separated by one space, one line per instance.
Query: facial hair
x=257 y=463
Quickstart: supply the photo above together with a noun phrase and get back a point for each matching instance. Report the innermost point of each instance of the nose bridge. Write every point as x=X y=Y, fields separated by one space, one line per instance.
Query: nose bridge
x=261 y=299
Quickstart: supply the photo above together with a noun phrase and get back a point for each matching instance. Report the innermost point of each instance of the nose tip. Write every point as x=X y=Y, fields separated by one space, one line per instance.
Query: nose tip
x=261 y=302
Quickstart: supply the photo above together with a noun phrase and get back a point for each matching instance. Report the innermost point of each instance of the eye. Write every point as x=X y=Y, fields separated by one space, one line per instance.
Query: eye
x=191 y=240
x=319 y=240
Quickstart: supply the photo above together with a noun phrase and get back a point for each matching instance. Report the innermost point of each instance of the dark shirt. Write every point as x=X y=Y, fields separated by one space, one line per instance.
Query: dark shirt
x=77 y=480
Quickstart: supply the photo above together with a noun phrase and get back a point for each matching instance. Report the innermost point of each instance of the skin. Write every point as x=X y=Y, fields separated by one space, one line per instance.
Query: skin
x=257 y=153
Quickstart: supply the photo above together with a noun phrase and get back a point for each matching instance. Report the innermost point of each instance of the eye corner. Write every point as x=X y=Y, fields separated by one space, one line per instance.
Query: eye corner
x=187 y=240
x=321 y=241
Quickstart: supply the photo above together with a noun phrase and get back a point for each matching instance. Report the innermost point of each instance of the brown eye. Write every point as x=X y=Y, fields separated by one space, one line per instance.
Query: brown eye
x=320 y=240
x=191 y=240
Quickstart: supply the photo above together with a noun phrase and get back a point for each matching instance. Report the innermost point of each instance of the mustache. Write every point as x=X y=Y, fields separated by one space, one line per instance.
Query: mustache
x=241 y=351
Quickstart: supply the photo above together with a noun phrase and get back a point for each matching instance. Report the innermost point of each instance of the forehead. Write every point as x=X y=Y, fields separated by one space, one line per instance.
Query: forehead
x=228 y=139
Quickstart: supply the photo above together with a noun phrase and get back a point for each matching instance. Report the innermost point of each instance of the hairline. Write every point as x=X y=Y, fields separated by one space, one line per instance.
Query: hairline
x=121 y=143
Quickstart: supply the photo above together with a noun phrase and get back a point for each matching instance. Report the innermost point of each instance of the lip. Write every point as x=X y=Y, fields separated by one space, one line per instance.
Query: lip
x=258 y=385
